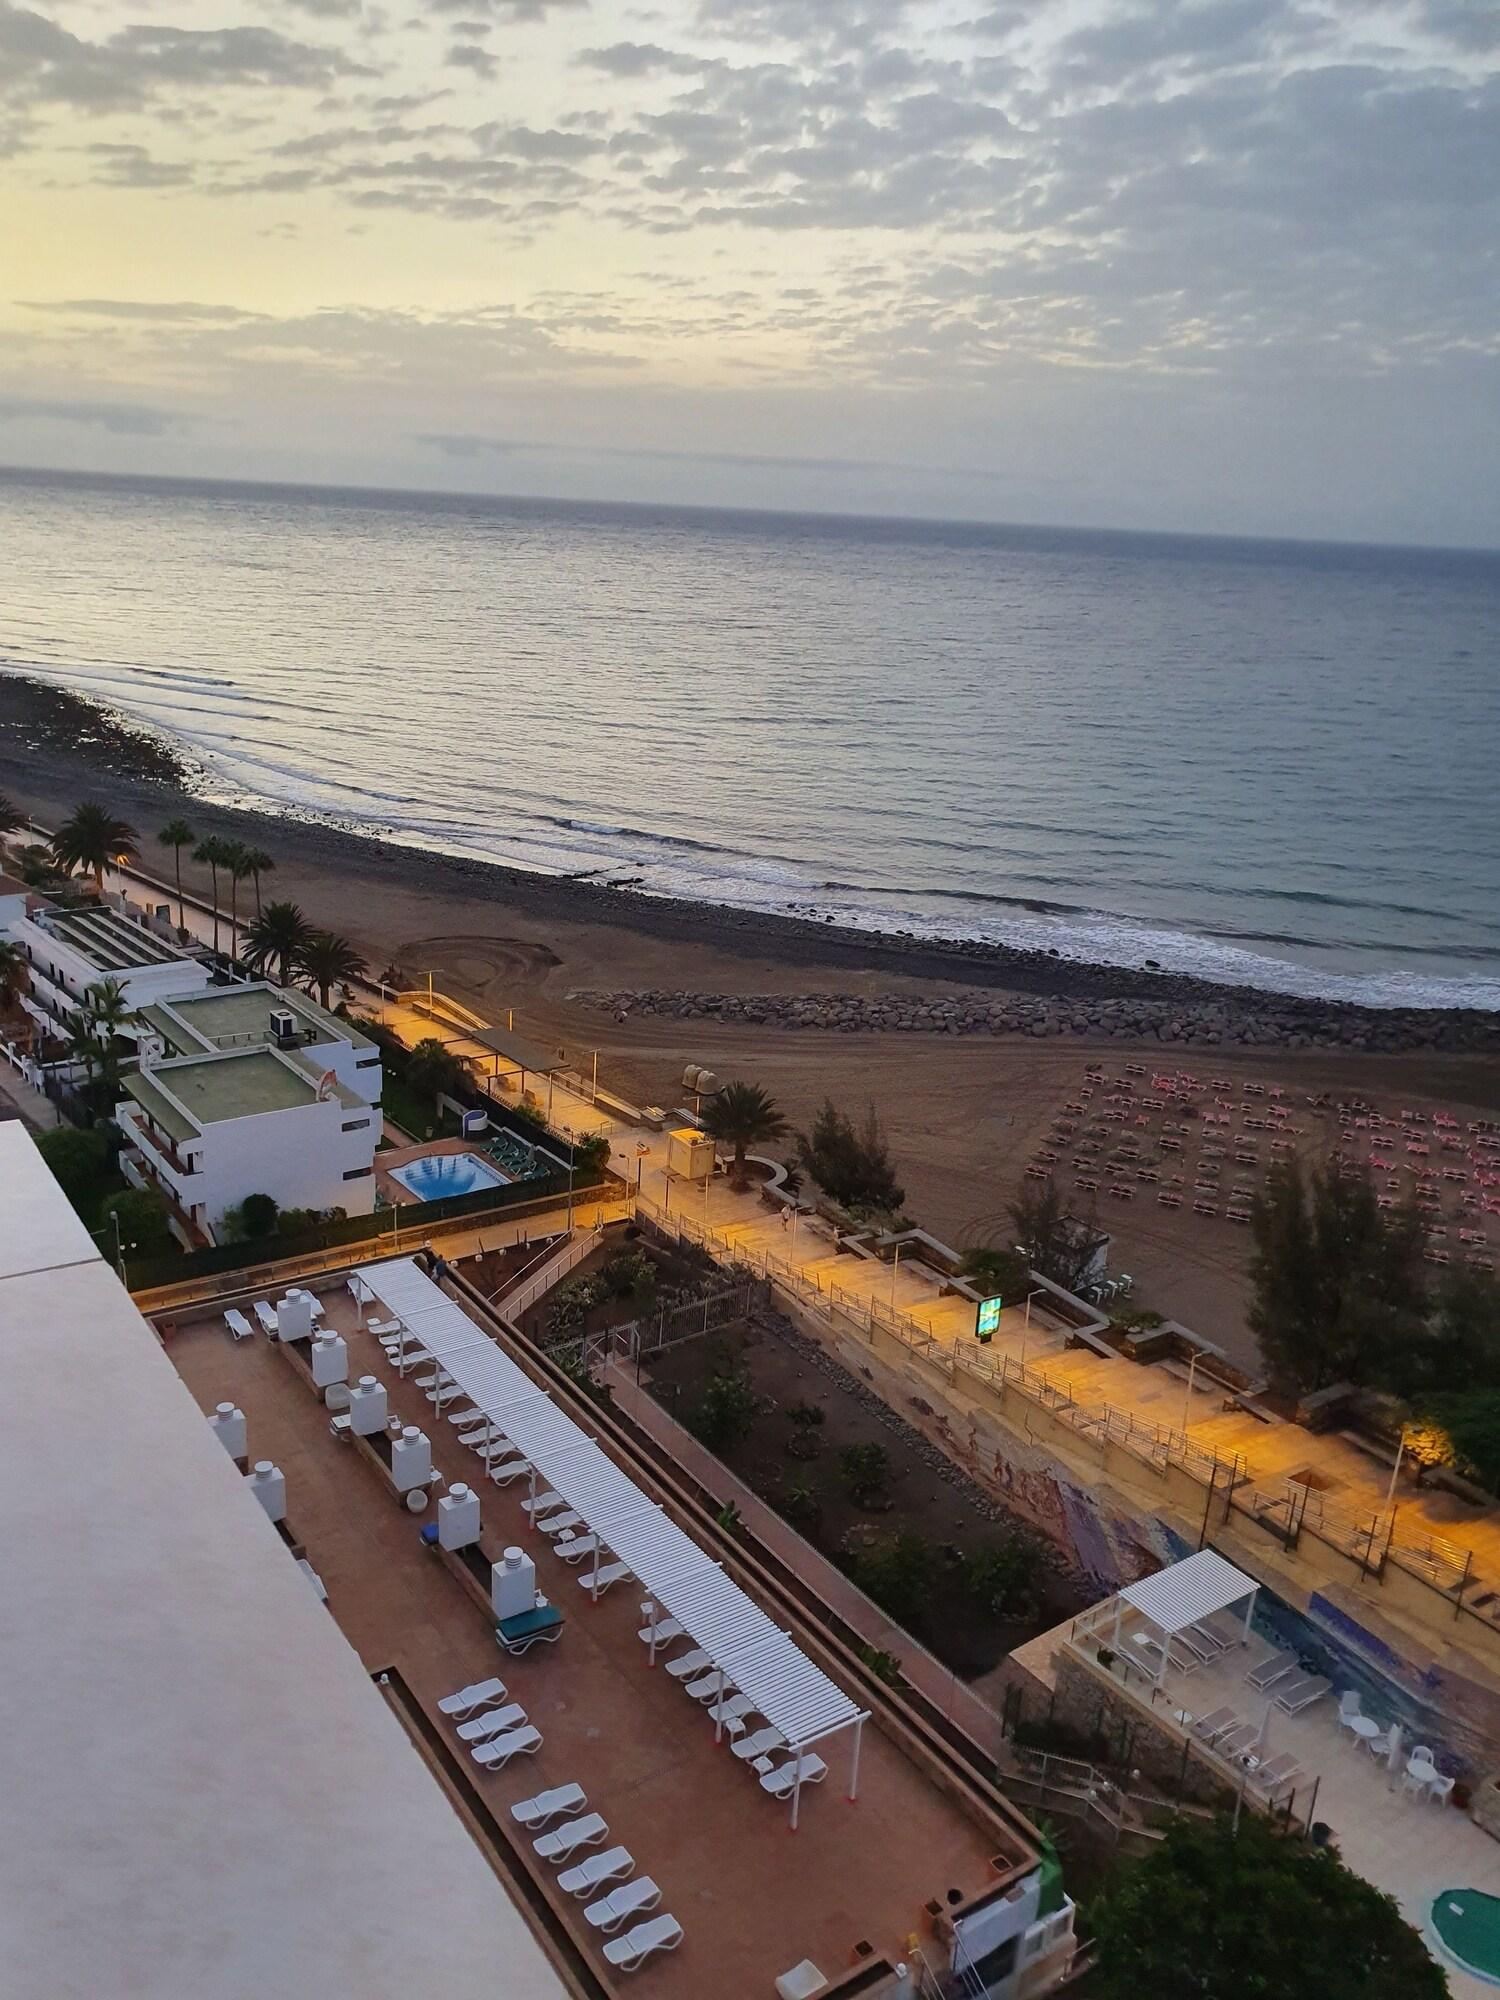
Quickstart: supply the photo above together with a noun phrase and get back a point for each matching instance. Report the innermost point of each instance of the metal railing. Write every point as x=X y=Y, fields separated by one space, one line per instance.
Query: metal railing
x=510 y=1305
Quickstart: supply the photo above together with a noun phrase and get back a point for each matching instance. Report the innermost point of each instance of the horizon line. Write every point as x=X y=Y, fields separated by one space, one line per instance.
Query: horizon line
x=86 y=476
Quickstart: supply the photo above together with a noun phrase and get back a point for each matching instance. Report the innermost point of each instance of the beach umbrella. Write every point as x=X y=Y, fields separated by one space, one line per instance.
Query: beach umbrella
x=1395 y=1757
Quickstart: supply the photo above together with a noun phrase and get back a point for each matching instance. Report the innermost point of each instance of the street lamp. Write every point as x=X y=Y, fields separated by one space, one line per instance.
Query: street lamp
x=1187 y=1401
x=1390 y=1492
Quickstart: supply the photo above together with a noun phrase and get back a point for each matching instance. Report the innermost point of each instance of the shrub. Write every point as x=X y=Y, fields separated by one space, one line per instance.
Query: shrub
x=1004 y=1575
x=75 y=1159
x=142 y=1218
x=866 y=1473
x=258 y=1216
x=895 y=1573
x=806 y=1413
x=854 y=1167
x=802 y=1505
x=726 y=1412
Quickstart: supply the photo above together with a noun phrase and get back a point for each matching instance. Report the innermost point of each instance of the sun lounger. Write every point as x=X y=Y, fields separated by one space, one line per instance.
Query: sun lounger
x=1295 y=1695
x=496 y=1723
x=688 y=1664
x=383 y=1328
x=1214 y=1724
x=266 y=1314
x=542 y=1625
x=1225 y=1630
x=710 y=1687
x=477 y=1695
x=732 y=1711
x=631 y=1899
x=664 y=1633
x=1198 y=1644
x=237 y=1323
x=632 y=1950
x=565 y=1840
x=544 y=1503
x=464 y=1416
x=497 y=1753
x=1150 y=1653
x=560 y=1524
x=573 y=1549
x=1233 y=1741
x=780 y=1782
x=595 y=1870
x=504 y=1471
x=599 y=1580
x=1271 y=1668
x=761 y=1744
x=534 y=1814
x=1279 y=1775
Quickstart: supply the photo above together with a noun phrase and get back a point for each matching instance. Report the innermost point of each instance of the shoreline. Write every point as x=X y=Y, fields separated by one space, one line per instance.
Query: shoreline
x=57 y=747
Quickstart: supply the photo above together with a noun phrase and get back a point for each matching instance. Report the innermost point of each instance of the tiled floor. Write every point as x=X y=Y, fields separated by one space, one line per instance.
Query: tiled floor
x=1409 y=1847
x=753 y=1898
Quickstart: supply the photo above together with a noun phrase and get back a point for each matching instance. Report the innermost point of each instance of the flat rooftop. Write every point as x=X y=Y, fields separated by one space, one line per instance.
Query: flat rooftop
x=201 y=1790
x=215 y=1088
x=113 y=943
x=227 y=1015
x=753 y=1898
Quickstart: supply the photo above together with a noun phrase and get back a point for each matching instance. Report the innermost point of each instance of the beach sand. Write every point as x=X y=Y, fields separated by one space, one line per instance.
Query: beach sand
x=963 y=1113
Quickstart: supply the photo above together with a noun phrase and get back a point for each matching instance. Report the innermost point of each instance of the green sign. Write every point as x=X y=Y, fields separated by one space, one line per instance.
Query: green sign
x=989 y=1318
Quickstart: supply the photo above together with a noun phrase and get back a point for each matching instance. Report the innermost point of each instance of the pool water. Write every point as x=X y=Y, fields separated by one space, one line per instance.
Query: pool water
x=1468 y=1923
x=441 y=1175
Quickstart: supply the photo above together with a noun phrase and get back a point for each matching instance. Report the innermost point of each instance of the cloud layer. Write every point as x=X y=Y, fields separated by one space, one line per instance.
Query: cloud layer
x=1173 y=223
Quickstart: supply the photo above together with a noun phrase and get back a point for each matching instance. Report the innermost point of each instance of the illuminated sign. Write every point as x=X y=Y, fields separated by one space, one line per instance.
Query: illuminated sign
x=989 y=1318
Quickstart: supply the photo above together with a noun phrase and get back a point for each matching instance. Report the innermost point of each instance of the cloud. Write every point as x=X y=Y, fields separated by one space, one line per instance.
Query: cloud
x=470 y=56
x=121 y=419
x=178 y=312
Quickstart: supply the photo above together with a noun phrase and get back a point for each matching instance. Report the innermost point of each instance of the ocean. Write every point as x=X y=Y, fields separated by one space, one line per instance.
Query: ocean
x=1269 y=763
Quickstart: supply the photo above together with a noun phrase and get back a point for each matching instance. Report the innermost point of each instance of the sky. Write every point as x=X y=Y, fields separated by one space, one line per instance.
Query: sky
x=1230 y=266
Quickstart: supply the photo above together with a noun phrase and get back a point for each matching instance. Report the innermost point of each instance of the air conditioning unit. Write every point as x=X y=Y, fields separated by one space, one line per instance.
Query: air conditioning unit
x=283 y=1025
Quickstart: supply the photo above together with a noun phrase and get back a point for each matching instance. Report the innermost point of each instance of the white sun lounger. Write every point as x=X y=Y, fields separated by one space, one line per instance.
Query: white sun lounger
x=560 y=1524
x=631 y=1899
x=710 y=1687
x=496 y=1723
x=573 y=1548
x=1278 y=1775
x=544 y=1503
x=689 y=1664
x=534 y=1814
x=595 y=1870
x=266 y=1314
x=1216 y=1723
x=467 y=1416
x=383 y=1328
x=632 y=1950
x=780 y=1782
x=565 y=1840
x=732 y=1712
x=599 y=1580
x=1271 y=1668
x=504 y=1471
x=1295 y=1695
x=761 y=1744
x=237 y=1323
x=477 y=1695
x=496 y=1754
x=665 y=1632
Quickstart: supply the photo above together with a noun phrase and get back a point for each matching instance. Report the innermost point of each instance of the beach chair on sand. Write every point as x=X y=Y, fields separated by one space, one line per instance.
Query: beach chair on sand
x=1271 y=1668
x=595 y=1870
x=468 y=1700
x=632 y=1950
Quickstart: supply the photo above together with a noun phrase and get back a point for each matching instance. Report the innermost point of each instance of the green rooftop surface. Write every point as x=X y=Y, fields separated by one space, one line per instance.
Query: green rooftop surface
x=227 y=1013
x=160 y=1109
x=215 y=1088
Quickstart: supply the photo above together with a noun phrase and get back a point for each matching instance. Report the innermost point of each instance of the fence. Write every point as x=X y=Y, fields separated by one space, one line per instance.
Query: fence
x=511 y=1305
x=1286 y=1509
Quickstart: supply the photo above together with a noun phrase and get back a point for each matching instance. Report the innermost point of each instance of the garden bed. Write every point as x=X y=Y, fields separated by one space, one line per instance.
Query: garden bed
x=940 y=1557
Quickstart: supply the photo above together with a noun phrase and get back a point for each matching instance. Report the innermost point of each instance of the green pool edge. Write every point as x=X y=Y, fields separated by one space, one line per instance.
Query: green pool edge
x=1477 y=1925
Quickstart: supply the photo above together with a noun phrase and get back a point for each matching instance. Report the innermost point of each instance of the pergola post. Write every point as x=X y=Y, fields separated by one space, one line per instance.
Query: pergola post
x=797 y=1787
x=854 y=1761
x=1119 y=1615
x=718 y=1705
x=1249 y=1613
x=531 y=1510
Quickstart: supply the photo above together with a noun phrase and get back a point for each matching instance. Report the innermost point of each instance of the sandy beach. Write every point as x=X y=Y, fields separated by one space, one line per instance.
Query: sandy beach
x=964 y=1112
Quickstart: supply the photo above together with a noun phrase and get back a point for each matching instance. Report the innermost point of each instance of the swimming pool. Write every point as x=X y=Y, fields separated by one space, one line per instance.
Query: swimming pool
x=440 y=1175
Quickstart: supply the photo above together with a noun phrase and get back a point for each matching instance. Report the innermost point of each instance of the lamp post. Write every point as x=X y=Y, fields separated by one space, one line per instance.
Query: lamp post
x=1390 y=1491
x=895 y=1267
x=1187 y=1401
x=119 y=1246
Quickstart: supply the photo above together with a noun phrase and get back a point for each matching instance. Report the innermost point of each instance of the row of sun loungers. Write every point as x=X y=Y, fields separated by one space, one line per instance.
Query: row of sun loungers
x=729 y=1711
x=583 y=1878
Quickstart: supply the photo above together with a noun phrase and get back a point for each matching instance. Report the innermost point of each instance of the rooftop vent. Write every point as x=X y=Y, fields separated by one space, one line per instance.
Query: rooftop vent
x=283 y=1026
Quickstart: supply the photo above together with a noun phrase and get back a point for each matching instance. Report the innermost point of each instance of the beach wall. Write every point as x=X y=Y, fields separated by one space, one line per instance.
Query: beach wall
x=1235 y=1020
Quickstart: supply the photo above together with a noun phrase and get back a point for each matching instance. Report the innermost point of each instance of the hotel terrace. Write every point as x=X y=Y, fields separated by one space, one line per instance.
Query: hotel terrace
x=849 y=1850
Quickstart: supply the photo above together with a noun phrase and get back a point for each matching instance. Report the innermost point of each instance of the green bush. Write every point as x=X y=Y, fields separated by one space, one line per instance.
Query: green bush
x=802 y=1505
x=1005 y=1575
x=142 y=1219
x=75 y=1159
x=866 y=1471
x=895 y=1573
x=726 y=1412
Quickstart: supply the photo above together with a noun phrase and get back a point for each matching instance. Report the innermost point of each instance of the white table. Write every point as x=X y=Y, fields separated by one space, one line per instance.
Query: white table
x=1365 y=1727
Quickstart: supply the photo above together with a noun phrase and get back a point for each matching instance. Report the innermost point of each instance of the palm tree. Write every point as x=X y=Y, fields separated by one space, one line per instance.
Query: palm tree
x=259 y=863
x=10 y=818
x=92 y=838
x=177 y=834
x=275 y=941
x=741 y=1115
x=329 y=961
x=12 y=973
x=997 y=1272
x=95 y=1040
x=213 y=852
x=237 y=861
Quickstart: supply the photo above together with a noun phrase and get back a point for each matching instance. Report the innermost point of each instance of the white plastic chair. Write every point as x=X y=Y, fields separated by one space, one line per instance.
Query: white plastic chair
x=631 y=1899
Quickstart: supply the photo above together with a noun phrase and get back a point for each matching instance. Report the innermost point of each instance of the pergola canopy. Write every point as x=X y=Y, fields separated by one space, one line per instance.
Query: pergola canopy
x=1194 y=1588
x=516 y=1050
x=752 y=1653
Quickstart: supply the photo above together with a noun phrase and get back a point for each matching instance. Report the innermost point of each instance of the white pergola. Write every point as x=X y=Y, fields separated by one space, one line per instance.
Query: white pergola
x=750 y=1652
x=1178 y=1596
